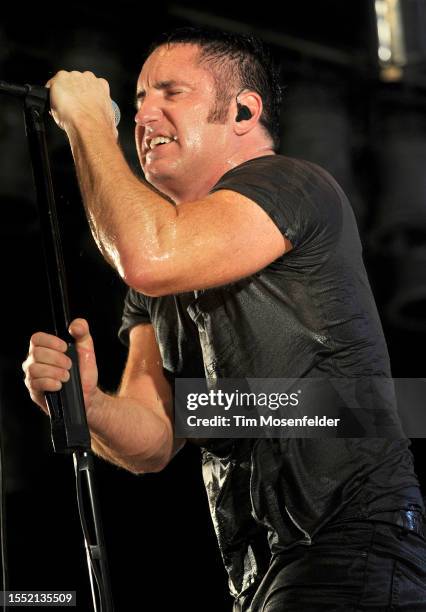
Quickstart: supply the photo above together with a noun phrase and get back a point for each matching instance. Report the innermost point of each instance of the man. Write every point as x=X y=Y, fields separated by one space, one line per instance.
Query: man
x=241 y=263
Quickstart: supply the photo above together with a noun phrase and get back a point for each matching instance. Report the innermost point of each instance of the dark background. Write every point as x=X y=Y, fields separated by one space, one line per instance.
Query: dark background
x=338 y=111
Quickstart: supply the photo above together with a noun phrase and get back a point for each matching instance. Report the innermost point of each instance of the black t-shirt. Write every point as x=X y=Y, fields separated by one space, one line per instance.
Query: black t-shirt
x=310 y=313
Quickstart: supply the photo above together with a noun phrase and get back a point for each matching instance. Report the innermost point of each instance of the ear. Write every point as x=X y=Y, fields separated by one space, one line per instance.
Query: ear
x=253 y=102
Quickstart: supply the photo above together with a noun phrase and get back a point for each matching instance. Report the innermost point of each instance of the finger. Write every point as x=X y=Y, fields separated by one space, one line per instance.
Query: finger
x=40 y=370
x=79 y=330
x=50 y=81
x=48 y=356
x=105 y=85
x=43 y=385
x=48 y=341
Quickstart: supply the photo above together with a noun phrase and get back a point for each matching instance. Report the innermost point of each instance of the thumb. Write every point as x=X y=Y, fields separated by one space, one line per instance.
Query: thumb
x=79 y=330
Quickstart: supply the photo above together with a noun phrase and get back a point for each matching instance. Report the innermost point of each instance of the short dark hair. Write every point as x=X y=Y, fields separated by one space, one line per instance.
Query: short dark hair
x=237 y=62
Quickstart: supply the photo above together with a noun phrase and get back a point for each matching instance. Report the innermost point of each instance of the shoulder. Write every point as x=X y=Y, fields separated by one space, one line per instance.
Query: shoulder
x=301 y=197
x=280 y=171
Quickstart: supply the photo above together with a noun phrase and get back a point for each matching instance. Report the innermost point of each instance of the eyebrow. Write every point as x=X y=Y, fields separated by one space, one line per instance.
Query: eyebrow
x=140 y=94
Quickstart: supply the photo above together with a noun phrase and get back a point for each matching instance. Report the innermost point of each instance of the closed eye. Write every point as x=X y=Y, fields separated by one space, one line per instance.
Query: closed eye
x=140 y=97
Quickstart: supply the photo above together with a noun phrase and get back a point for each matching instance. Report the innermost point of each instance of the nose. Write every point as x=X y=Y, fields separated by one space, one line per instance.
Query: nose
x=148 y=112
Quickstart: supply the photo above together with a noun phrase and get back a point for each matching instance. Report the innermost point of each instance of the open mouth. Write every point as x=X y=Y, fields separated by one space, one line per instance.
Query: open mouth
x=160 y=141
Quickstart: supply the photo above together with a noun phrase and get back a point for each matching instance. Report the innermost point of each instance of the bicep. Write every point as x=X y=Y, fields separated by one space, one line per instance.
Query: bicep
x=143 y=379
x=214 y=241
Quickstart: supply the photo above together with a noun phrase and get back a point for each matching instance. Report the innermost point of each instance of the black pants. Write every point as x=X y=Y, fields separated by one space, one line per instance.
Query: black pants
x=350 y=566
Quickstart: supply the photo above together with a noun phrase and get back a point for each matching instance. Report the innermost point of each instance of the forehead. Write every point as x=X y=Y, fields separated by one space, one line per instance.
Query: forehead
x=171 y=63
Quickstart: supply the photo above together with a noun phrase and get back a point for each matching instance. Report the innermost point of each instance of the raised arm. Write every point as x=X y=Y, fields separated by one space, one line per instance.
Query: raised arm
x=158 y=248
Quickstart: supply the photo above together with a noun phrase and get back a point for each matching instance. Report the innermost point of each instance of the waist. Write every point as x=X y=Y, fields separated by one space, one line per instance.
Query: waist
x=410 y=520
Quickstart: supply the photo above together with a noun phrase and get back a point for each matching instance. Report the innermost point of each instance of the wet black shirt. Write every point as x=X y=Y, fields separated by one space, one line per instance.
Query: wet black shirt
x=309 y=313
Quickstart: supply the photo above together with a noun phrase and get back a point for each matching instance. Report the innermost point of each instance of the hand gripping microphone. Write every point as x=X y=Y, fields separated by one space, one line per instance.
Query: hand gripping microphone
x=21 y=91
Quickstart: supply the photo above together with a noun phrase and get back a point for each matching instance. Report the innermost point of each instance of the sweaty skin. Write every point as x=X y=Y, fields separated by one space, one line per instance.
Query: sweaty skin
x=158 y=247
x=154 y=245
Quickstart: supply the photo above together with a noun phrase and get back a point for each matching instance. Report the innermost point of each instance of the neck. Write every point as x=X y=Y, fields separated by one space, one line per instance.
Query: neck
x=199 y=188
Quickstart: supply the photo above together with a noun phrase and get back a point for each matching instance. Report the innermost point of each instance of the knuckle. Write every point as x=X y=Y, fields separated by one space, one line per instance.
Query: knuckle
x=35 y=338
x=32 y=370
x=33 y=385
x=60 y=74
x=43 y=384
x=37 y=353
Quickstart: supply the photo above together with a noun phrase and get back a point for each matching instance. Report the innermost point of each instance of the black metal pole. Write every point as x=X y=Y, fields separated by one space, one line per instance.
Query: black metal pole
x=70 y=432
x=83 y=464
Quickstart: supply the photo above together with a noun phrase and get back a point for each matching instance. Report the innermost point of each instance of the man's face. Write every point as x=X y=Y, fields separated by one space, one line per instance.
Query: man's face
x=174 y=139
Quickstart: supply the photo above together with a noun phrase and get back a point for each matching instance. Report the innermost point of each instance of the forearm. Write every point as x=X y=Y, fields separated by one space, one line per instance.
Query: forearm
x=126 y=217
x=127 y=434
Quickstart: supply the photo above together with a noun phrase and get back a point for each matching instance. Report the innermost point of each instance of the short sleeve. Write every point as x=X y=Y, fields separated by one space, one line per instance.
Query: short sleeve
x=135 y=312
x=301 y=198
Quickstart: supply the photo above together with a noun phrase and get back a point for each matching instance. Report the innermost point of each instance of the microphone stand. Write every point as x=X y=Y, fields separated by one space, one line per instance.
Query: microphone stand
x=69 y=429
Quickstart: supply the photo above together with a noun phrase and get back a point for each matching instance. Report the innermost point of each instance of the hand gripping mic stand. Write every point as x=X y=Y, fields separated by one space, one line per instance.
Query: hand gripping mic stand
x=70 y=433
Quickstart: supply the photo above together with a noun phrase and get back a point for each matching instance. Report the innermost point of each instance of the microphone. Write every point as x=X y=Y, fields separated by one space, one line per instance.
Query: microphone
x=22 y=91
x=117 y=114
